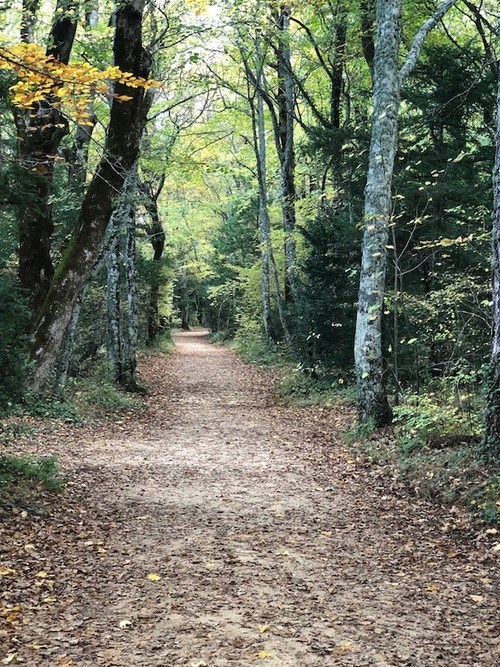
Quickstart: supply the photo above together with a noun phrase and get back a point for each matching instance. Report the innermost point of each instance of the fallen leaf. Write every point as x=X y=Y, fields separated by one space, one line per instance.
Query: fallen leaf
x=154 y=577
x=42 y=574
x=496 y=547
x=432 y=588
x=49 y=599
x=326 y=533
x=345 y=646
x=10 y=658
x=264 y=654
x=491 y=531
x=264 y=628
x=7 y=570
x=477 y=598
x=485 y=580
x=209 y=564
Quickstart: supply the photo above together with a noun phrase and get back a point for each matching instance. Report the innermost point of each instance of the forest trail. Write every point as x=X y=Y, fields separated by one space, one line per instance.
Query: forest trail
x=212 y=531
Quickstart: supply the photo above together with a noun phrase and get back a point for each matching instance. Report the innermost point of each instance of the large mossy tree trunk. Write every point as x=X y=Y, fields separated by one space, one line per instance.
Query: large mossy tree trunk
x=121 y=150
x=492 y=437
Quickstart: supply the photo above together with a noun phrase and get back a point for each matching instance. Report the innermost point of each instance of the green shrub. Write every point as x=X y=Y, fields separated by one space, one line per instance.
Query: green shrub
x=429 y=420
x=23 y=471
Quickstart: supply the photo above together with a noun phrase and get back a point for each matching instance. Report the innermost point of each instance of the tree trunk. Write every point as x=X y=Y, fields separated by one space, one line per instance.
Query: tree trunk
x=492 y=438
x=157 y=238
x=286 y=149
x=40 y=131
x=121 y=151
x=128 y=379
x=114 y=340
x=372 y=396
x=372 y=400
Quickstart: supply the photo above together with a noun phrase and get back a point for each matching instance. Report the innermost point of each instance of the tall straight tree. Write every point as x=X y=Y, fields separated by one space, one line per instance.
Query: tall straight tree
x=387 y=80
x=492 y=440
x=121 y=151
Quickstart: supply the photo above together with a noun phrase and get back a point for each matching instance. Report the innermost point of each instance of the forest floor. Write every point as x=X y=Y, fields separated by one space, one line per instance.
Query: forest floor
x=220 y=528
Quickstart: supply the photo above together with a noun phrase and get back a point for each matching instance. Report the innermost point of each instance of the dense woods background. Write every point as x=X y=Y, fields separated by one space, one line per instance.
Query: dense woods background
x=313 y=179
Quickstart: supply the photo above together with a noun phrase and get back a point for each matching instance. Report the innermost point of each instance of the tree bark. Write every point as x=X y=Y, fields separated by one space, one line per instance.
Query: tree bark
x=372 y=396
x=492 y=437
x=129 y=380
x=285 y=100
x=121 y=151
x=40 y=131
x=157 y=238
x=372 y=399
x=114 y=338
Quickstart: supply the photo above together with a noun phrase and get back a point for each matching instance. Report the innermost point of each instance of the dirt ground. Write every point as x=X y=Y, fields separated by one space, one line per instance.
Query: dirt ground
x=222 y=529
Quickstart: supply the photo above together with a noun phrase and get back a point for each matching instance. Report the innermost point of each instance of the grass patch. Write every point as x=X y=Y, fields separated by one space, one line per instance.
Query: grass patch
x=96 y=398
x=25 y=479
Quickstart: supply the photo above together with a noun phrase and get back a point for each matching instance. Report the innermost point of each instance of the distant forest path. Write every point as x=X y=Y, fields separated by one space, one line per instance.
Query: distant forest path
x=222 y=529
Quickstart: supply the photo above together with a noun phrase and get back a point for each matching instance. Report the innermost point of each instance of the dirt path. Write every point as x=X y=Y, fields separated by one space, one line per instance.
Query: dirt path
x=210 y=532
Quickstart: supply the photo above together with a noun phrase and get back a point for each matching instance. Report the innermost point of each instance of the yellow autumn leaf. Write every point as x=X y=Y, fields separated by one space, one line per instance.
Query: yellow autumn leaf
x=432 y=588
x=154 y=577
x=42 y=574
x=264 y=654
x=10 y=658
x=264 y=628
x=477 y=598
x=7 y=570
x=49 y=599
x=345 y=646
x=209 y=565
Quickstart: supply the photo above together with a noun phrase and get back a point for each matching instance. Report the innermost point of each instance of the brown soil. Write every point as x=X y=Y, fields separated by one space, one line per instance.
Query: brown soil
x=219 y=528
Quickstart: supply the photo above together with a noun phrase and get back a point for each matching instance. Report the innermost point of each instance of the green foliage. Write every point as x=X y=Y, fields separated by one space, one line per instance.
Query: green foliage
x=250 y=344
x=14 y=317
x=97 y=397
x=325 y=313
x=487 y=499
x=36 y=405
x=431 y=420
x=41 y=471
x=303 y=388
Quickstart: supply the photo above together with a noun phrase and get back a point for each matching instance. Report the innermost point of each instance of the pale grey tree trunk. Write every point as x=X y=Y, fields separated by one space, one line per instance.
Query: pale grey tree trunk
x=373 y=402
x=130 y=349
x=114 y=338
x=492 y=438
x=269 y=268
x=372 y=396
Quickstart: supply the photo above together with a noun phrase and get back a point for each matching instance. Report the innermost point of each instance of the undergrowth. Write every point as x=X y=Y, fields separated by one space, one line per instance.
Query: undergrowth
x=455 y=474
x=23 y=479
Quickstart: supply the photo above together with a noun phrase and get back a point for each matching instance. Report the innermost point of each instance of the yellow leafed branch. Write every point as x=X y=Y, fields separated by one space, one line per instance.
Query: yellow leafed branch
x=42 y=77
